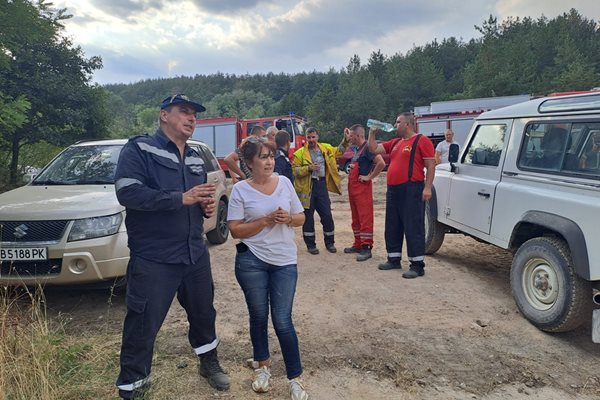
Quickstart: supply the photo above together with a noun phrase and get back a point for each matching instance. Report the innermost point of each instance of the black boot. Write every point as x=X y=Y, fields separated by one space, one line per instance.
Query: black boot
x=365 y=253
x=390 y=264
x=417 y=268
x=212 y=371
x=136 y=394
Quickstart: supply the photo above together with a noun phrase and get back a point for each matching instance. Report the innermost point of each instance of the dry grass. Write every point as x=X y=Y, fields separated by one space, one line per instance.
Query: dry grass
x=38 y=360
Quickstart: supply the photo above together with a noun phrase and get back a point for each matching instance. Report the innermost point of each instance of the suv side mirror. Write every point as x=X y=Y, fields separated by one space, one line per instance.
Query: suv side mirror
x=453 y=153
x=453 y=156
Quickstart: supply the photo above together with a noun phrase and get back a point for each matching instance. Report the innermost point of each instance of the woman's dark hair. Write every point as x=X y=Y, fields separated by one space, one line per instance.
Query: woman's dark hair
x=252 y=147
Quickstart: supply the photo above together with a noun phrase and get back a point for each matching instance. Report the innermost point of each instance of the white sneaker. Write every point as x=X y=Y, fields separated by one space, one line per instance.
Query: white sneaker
x=261 y=380
x=297 y=391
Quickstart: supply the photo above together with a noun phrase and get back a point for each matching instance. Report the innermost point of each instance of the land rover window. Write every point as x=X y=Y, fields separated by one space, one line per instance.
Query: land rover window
x=563 y=148
x=544 y=146
x=589 y=160
x=486 y=146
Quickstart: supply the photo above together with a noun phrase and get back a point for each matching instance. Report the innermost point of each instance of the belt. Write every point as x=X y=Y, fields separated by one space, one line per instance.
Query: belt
x=318 y=178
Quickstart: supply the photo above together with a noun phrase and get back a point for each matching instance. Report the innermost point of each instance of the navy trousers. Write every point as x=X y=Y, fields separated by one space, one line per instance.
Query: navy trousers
x=405 y=216
x=319 y=201
x=151 y=288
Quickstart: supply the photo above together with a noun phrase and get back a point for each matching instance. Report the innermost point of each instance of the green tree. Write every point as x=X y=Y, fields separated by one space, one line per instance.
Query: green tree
x=14 y=113
x=244 y=104
x=146 y=120
x=46 y=69
x=376 y=65
x=535 y=56
x=323 y=110
x=412 y=81
x=354 y=65
x=291 y=102
x=360 y=98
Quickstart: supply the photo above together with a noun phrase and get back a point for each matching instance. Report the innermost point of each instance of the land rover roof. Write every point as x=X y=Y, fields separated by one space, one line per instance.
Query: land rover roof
x=547 y=106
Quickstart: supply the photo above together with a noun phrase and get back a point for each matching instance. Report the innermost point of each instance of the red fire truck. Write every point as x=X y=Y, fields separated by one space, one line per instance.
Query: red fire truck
x=224 y=134
x=458 y=115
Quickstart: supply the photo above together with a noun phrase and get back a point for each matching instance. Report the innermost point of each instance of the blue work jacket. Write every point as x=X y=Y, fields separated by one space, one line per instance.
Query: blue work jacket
x=150 y=180
x=283 y=166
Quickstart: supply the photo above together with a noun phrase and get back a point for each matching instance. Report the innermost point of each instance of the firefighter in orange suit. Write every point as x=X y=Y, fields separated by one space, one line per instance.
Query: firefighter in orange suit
x=363 y=168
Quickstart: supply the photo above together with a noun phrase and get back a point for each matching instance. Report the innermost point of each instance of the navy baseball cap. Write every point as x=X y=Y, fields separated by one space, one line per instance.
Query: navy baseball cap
x=181 y=99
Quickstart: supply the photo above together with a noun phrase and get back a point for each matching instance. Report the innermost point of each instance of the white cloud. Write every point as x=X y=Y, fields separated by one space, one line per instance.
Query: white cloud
x=549 y=8
x=140 y=39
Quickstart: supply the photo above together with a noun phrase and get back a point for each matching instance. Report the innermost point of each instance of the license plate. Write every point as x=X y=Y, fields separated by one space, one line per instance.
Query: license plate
x=23 y=253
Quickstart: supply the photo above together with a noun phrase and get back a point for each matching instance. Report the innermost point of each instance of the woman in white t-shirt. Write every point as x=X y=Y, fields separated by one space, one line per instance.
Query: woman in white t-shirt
x=262 y=213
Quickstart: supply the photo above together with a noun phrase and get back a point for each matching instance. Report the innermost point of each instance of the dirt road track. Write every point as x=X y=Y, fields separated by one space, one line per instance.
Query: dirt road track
x=369 y=334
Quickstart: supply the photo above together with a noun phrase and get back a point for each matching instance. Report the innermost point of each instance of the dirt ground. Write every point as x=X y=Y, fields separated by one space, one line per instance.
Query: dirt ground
x=368 y=334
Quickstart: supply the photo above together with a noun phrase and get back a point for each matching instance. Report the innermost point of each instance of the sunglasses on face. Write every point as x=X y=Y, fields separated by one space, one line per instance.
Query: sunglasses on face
x=261 y=139
x=181 y=96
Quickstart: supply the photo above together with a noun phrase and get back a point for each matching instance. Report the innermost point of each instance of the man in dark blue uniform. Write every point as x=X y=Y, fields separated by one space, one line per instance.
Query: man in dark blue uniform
x=283 y=165
x=162 y=183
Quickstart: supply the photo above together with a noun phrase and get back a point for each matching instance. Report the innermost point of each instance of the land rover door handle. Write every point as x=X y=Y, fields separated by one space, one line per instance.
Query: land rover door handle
x=483 y=194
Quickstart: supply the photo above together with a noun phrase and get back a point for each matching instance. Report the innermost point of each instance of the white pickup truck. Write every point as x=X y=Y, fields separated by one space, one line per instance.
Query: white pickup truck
x=528 y=180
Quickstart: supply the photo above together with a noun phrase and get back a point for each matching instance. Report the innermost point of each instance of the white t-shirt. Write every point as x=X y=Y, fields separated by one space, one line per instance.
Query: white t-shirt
x=275 y=244
x=444 y=149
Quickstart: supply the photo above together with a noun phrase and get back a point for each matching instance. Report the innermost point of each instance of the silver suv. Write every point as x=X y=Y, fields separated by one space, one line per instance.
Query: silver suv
x=528 y=180
x=67 y=227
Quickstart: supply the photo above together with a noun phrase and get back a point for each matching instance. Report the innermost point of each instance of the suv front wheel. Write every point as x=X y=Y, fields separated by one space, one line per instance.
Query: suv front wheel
x=545 y=287
x=221 y=232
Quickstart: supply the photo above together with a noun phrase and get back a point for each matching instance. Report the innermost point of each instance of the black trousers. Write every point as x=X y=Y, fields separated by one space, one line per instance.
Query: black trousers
x=405 y=216
x=151 y=288
x=319 y=201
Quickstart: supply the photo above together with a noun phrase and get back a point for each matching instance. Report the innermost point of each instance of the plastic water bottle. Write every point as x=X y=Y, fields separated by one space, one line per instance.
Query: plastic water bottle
x=384 y=126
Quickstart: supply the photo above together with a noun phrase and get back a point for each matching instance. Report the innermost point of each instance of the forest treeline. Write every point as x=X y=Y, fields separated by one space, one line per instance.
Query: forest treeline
x=514 y=56
x=48 y=98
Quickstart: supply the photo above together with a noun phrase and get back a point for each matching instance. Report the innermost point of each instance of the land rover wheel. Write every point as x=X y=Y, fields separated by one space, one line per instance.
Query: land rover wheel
x=545 y=287
x=434 y=231
x=221 y=232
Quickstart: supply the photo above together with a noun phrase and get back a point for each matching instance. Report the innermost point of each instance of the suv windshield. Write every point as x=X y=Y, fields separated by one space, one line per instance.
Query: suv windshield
x=82 y=165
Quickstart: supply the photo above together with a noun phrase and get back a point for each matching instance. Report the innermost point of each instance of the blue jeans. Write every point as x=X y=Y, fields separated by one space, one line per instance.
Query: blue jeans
x=263 y=283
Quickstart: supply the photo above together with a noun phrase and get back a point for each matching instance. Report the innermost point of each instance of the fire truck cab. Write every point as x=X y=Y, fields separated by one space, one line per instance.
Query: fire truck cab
x=224 y=134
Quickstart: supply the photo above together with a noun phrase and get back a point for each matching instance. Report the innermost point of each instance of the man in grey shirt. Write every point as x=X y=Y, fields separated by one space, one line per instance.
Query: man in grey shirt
x=443 y=148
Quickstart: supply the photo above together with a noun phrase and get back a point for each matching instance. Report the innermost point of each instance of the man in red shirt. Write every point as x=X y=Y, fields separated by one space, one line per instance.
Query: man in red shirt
x=408 y=189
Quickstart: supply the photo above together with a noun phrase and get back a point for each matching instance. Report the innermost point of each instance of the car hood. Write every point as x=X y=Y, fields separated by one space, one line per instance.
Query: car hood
x=58 y=202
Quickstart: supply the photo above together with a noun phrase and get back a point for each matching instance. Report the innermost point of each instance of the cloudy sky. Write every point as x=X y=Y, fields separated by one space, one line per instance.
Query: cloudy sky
x=139 y=39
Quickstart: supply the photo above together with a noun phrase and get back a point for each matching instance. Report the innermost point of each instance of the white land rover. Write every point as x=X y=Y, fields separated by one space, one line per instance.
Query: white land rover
x=528 y=180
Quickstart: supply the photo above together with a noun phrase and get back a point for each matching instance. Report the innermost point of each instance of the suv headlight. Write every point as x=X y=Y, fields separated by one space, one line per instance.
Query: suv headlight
x=90 y=228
